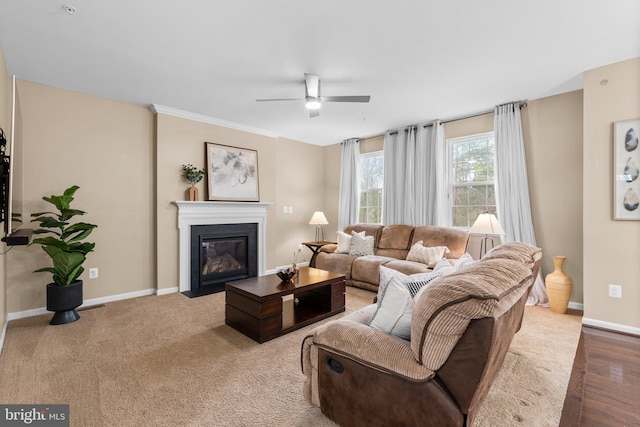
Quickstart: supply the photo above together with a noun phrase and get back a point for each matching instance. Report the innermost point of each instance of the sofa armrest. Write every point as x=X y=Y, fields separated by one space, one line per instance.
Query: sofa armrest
x=369 y=347
x=330 y=248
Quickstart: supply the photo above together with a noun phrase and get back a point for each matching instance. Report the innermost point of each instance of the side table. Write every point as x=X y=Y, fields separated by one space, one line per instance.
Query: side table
x=315 y=248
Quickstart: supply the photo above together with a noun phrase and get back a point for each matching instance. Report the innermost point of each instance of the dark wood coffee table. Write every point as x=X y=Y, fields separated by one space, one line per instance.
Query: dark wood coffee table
x=264 y=308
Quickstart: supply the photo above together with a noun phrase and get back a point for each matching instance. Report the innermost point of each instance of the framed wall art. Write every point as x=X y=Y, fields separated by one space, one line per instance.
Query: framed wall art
x=232 y=173
x=626 y=157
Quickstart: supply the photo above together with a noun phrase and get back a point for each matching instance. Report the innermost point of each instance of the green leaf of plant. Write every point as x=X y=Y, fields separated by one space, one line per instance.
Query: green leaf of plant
x=45 y=270
x=41 y=231
x=37 y=214
x=84 y=247
x=66 y=214
x=52 y=250
x=66 y=262
x=51 y=241
x=71 y=191
x=77 y=231
x=73 y=275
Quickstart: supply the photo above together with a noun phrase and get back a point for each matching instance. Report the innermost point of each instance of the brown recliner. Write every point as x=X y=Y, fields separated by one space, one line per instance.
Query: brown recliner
x=461 y=329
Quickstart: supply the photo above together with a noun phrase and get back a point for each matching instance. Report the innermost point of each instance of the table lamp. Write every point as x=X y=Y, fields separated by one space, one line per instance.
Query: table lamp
x=318 y=219
x=486 y=224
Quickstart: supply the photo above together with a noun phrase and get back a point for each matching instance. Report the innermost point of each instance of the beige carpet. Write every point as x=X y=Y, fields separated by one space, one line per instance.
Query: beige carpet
x=171 y=361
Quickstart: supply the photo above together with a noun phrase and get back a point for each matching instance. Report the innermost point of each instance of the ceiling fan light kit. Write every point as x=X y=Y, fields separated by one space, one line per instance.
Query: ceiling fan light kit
x=312 y=98
x=313 y=103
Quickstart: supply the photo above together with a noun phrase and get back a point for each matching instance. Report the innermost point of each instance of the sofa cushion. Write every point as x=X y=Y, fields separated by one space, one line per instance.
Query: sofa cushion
x=428 y=255
x=366 y=268
x=408 y=267
x=340 y=263
x=394 y=241
x=455 y=240
x=442 y=314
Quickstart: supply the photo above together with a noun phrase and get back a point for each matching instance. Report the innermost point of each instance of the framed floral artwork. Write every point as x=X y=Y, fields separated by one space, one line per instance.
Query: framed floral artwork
x=232 y=173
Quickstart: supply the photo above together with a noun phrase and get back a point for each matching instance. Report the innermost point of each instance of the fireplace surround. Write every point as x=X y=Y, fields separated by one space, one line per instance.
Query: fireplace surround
x=209 y=213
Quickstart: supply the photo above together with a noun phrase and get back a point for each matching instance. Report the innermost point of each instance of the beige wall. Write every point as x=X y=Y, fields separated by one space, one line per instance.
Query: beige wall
x=552 y=130
x=291 y=174
x=611 y=248
x=5 y=124
x=105 y=147
x=332 y=155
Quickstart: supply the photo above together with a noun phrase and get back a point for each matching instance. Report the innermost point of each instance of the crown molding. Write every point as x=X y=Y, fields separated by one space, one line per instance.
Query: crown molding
x=160 y=109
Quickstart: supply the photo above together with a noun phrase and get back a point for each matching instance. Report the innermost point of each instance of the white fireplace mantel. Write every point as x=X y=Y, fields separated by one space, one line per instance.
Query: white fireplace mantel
x=208 y=213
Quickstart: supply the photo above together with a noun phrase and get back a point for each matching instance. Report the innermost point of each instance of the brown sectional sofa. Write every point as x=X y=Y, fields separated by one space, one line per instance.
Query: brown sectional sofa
x=461 y=329
x=391 y=246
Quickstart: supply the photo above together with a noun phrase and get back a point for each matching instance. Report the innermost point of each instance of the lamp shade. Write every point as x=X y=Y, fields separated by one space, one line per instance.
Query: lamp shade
x=318 y=218
x=486 y=224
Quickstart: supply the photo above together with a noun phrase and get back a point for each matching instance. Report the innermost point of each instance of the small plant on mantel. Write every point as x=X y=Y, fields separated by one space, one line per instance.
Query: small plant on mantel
x=192 y=175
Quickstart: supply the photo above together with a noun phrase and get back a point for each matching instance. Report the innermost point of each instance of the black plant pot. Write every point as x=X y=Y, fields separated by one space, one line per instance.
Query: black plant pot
x=64 y=300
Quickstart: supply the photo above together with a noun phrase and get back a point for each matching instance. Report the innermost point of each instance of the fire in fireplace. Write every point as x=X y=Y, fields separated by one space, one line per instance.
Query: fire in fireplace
x=222 y=253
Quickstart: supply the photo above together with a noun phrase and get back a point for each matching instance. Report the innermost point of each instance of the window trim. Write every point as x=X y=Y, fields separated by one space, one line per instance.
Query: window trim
x=449 y=142
x=360 y=190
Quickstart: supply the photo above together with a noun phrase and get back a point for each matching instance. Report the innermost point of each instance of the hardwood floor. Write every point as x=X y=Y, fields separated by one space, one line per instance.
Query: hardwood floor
x=604 y=388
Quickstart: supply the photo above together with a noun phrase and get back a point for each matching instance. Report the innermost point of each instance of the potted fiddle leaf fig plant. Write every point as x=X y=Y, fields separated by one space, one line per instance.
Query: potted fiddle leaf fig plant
x=66 y=246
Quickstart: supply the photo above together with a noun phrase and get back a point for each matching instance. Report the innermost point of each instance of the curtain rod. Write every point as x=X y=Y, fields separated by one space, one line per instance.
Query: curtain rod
x=468 y=116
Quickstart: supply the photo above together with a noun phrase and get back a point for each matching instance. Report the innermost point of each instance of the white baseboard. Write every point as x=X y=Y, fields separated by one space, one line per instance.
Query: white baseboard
x=576 y=305
x=166 y=291
x=86 y=303
x=26 y=313
x=611 y=326
x=4 y=333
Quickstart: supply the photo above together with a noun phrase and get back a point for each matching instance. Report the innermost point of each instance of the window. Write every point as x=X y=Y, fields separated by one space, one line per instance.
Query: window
x=371 y=179
x=472 y=177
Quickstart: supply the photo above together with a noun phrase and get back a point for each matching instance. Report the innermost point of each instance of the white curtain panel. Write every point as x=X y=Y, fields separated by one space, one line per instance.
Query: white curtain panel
x=349 y=203
x=426 y=178
x=398 y=186
x=512 y=186
x=442 y=214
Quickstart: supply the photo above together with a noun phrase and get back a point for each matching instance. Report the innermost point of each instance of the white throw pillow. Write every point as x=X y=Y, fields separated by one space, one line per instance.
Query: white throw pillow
x=428 y=255
x=393 y=315
x=444 y=267
x=361 y=244
x=344 y=243
x=386 y=274
x=464 y=261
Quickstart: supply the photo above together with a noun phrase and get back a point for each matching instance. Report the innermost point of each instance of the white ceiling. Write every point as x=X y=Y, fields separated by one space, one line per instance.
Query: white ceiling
x=419 y=60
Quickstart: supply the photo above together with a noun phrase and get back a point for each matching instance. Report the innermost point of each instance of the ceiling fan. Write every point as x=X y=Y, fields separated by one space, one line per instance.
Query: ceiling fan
x=312 y=98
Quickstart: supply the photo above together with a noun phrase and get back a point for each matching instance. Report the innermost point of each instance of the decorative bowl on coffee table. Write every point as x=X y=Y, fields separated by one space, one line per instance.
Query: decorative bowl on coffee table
x=286 y=275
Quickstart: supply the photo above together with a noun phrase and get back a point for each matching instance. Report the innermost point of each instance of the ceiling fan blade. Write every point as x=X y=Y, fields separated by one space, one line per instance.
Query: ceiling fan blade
x=312 y=85
x=346 y=98
x=280 y=99
x=314 y=113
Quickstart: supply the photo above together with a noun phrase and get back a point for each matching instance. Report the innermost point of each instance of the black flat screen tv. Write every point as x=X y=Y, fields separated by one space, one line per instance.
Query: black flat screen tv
x=12 y=179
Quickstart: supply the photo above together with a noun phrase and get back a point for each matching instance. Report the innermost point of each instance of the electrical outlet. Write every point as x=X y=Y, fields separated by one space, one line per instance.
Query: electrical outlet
x=615 y=291
x=290 y=209
x=93 y=273
x=284 y=209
